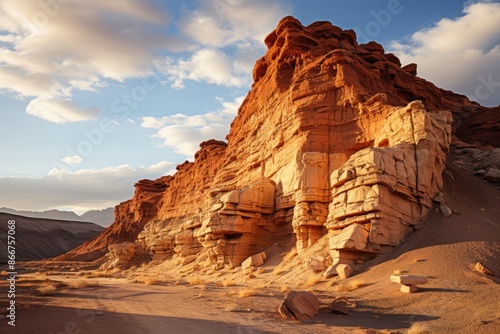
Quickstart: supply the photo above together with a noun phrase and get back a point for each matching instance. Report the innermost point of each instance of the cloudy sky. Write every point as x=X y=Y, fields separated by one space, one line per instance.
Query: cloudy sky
x=95 y=95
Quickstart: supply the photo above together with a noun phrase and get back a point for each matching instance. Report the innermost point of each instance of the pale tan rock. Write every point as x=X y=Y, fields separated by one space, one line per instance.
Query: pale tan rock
x=338 y=259
x=408 y=288
x=482 y=269
x=445 y=210
x=300 y=305
x=354 y=236
x=331 y=271
x=344 y=271
x=409 y=279
x=254 y=261
x=315 y=264
x=339 y=306
x=119 y=256
x=188 y=259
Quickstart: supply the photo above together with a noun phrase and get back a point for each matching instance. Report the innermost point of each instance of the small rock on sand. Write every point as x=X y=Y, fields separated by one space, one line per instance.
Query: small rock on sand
x=344 y=271
x=482 y=269
x=300 y=305
x=339 y=306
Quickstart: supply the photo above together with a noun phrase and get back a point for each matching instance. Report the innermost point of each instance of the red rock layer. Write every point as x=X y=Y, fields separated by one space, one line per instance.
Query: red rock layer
x=171 y=196
x=318 y=99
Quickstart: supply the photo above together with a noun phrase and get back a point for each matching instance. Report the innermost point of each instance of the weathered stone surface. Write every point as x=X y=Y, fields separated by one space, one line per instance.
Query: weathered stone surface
x=315 y=264
x=353 y=237
x=383 y=192
x=240 y=222
x=119 y=256
x=482 y=269
x=409 y=279
x=445 y=210
x=408 y=288
x=254 y=261
x=481 y=161
x=339 y=306
x=439 y=198
x=492 y=175
x=334 y=138
x=300 y=305
x=344 y=271
x=330 y=272
x=410 y=68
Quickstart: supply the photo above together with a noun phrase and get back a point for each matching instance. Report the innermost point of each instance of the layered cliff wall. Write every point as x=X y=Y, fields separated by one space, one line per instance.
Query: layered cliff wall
x=334 y=138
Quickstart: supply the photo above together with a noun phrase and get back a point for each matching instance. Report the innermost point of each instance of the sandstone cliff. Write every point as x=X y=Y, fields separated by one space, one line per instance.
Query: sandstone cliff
x=335 y=138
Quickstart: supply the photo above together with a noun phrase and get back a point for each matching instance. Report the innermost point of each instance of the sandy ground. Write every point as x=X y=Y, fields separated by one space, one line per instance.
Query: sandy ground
x=168 y=299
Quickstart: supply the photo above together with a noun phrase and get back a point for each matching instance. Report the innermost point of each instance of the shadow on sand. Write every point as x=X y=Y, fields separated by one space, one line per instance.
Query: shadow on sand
x=59 y=320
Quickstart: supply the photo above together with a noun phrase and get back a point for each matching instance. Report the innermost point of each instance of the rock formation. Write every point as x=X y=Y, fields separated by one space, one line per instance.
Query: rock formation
x=335 y=138
x=119 y=256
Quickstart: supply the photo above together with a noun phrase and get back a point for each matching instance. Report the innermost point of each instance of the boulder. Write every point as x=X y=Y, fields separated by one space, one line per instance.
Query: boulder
x=445 y=210
x=492 y=175
x=299 y=305
x=315 y=264
x=408 y=288
x=339 y=306
x=254 y=261
x=408 y=282
x=409 y=279
x=344 y=271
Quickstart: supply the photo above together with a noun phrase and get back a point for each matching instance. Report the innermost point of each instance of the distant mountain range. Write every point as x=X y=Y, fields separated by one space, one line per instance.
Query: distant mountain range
x=40 y=238
x=103 y=217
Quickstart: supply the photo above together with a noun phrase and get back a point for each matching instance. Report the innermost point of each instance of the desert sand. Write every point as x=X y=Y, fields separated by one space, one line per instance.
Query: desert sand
x=162 y=298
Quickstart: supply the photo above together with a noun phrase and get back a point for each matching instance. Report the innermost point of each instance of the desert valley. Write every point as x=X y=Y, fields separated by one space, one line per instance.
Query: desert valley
x=351 y=196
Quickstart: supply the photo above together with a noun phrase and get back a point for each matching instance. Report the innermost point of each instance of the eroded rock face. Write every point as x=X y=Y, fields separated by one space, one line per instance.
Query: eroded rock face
x=380 y=193
x=119 y=256
x=334 y=138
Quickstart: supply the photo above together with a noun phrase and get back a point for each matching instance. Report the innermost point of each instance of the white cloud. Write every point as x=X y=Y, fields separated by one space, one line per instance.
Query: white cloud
x=184 y=133
x=228 y=39
x=57 y=47
x=59 y=111
x=225 y=22
x=206 y=65
x=460 y=54
x=79 y=190
x=72 y=159
x=53 y=49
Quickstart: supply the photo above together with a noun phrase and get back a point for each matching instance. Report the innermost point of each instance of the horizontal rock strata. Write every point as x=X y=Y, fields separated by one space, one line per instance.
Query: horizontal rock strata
x=335 y=138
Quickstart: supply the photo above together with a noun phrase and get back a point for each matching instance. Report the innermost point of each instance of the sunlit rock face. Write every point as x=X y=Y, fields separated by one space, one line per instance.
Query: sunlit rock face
x=335 y=138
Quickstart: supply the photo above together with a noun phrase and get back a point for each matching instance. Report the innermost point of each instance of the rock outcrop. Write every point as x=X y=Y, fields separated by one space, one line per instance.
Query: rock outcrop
x=335 y=138
x=119 y=256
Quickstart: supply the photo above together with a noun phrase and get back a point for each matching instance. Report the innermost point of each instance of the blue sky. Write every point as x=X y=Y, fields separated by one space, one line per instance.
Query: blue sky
x=95 y=95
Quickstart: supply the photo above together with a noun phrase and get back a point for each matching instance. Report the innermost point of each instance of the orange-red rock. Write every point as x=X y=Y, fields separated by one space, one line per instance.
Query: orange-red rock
x=335 y=138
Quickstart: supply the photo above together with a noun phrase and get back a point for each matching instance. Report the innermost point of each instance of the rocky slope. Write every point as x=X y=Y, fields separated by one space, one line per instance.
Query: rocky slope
x=335 y=138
